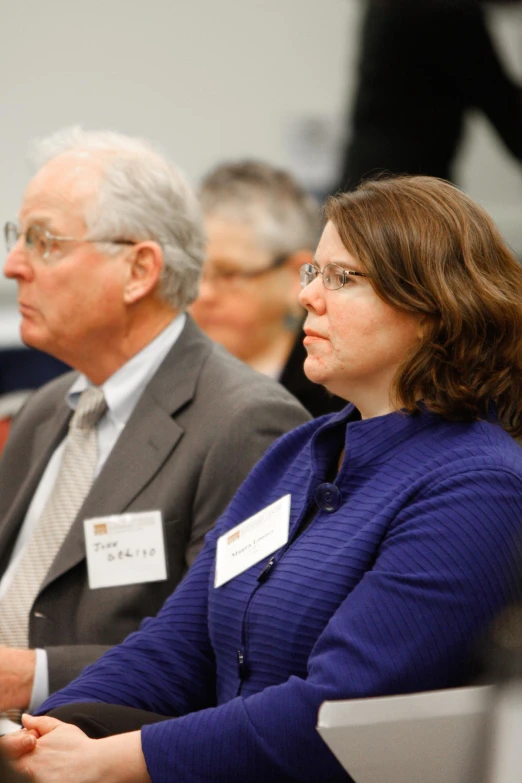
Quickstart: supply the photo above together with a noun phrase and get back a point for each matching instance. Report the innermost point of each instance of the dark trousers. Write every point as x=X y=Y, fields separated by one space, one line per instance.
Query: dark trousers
x=104 y=720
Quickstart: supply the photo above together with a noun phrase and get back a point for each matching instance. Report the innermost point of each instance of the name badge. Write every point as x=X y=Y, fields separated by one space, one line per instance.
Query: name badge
x=252 y=540
x=125 y=549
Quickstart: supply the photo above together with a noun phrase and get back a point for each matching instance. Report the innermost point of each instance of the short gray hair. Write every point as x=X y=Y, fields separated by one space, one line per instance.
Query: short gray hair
x=283 y=215
x=142 y=196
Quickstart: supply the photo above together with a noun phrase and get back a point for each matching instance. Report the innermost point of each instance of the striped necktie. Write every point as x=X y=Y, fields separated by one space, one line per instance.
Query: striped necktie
x=74 y=480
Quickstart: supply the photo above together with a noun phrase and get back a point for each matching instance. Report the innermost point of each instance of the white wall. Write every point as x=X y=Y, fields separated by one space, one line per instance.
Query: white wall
x=207 y=80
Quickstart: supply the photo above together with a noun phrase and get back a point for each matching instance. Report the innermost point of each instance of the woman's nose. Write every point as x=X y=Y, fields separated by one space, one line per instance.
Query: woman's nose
x=312 y=297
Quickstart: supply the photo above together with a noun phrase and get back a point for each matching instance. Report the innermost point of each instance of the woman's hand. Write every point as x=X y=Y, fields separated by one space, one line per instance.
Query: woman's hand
x=53 y=752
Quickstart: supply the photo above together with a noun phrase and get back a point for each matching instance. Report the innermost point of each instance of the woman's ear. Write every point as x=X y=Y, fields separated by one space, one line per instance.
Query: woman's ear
x=145 y=267
x=423 y=324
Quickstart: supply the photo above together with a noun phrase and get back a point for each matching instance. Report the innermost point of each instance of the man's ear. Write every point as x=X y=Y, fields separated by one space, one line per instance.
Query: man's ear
x=145 y=267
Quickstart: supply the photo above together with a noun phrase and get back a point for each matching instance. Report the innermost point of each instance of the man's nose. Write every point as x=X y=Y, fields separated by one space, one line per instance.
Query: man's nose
x=16 y=264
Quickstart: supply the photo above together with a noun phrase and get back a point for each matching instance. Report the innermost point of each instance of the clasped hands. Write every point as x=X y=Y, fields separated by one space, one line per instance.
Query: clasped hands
x=50 y=751
x=40 y=748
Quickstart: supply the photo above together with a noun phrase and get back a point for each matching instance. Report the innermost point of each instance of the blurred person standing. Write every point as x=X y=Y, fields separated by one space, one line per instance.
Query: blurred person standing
x=107 y=255
x=262 y=226
x=422 y=67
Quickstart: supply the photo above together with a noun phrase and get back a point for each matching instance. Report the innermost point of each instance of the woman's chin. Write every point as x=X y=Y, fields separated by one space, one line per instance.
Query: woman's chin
x=315 y=371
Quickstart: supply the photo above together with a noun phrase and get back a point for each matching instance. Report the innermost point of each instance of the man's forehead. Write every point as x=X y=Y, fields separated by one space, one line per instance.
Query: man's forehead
x=67 y=182
x=77 y=171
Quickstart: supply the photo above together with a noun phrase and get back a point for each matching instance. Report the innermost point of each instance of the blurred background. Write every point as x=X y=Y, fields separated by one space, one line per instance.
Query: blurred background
x=208 y=81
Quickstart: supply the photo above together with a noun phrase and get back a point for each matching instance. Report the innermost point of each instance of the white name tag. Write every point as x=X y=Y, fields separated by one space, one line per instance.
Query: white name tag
x=125 y=549
x=252 y=540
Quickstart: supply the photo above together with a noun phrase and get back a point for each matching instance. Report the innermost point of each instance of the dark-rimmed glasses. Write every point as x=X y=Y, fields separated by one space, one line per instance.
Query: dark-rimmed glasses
x=334 y=276
x=234 y=276
x=39 y=240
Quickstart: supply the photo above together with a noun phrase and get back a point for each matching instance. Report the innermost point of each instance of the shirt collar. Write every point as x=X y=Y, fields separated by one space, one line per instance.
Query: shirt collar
x=124 y=388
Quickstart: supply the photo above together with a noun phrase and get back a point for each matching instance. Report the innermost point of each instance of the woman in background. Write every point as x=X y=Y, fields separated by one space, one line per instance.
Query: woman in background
x=262 y=227
x=404 y=514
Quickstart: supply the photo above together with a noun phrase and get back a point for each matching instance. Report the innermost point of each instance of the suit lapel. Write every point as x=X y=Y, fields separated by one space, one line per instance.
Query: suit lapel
x=149 y=438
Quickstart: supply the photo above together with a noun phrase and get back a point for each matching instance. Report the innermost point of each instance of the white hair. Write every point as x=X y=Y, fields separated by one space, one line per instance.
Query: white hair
x=142 y=196
x=283 y=215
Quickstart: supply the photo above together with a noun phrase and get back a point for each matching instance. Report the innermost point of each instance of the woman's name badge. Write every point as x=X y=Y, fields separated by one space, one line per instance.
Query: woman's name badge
x=252 y=540
x=125 y=549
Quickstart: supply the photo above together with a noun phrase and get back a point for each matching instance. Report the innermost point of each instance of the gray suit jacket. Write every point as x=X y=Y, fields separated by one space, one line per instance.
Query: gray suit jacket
x=201 y=424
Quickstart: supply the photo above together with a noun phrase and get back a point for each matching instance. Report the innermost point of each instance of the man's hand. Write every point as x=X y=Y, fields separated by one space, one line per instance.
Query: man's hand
x=16 y=678
x=14 y=746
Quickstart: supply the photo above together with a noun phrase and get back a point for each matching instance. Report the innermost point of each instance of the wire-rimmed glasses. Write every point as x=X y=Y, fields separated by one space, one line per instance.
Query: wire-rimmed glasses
x=334 y=276
x=44 y=244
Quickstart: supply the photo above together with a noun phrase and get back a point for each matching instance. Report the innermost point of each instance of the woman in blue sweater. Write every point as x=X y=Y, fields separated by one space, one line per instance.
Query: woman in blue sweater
x=367 y=549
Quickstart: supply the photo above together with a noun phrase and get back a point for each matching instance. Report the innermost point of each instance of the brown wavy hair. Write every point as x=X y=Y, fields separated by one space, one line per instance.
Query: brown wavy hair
x=430 y=249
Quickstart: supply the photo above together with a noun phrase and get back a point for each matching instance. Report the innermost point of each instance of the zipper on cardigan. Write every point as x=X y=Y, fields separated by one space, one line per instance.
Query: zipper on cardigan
x=263 y=576
x=308 y=518
x=241 y=661
x=241 y=653
x=240 y=664
x=304 y=523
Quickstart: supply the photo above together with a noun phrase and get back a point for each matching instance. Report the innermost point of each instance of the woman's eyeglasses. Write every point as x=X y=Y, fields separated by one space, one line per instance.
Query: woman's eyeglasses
x=334 y=276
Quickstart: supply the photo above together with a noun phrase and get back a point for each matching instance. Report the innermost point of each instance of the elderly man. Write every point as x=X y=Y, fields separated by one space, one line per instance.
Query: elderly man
x=113 y=474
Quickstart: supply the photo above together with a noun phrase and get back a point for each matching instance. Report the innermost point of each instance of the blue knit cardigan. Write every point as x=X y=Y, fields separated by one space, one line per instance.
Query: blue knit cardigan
x=382 y=596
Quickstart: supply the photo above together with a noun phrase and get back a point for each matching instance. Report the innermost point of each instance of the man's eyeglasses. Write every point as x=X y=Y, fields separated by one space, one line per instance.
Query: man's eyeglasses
x=334 y=276
x=44 y=244
x=233 y=277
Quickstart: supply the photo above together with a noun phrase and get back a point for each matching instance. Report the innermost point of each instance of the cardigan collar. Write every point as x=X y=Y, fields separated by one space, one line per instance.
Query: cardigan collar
x=366 y=442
